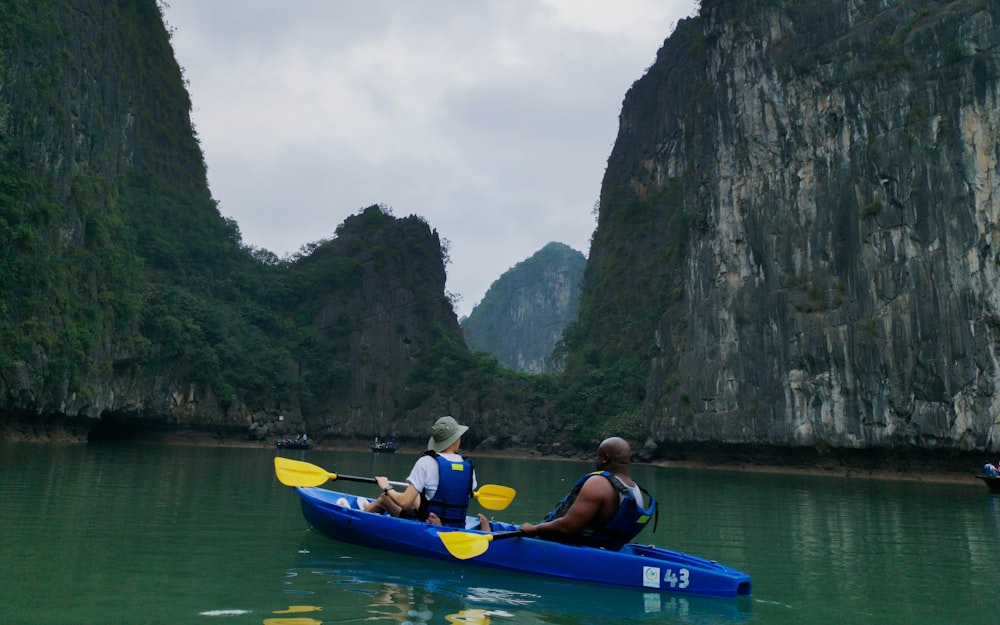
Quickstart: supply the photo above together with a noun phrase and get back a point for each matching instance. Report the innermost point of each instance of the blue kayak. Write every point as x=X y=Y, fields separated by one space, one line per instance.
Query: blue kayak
x=643 y=567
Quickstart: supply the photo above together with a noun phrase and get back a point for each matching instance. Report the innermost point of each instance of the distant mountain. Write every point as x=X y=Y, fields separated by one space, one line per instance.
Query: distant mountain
x=522 y=316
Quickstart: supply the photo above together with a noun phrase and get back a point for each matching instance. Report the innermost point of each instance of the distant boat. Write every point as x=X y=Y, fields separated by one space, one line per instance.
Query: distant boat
x=992 y=481
x=288 y=443
x=383 y=447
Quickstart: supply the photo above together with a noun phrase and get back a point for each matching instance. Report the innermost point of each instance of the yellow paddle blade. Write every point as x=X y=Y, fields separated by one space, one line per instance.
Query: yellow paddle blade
x=301 y=620
x=297 y=473
x=495 y=496
x=465 y=545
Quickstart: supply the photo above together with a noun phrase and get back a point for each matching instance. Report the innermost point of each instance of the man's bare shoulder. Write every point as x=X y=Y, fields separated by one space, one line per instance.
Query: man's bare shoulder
x=598 y=486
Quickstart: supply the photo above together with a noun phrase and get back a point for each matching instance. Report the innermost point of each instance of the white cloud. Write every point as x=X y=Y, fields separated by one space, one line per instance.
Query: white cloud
x=493 y=120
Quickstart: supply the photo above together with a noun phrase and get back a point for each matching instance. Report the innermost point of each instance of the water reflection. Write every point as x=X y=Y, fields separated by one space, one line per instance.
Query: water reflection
x=884 y=551
x=470 y=617
x=295 y=620
x=292 y=621
x=348 y=581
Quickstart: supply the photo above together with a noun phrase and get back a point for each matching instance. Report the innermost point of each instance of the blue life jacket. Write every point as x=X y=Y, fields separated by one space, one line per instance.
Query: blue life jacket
x=623 y=527
x=451 y=500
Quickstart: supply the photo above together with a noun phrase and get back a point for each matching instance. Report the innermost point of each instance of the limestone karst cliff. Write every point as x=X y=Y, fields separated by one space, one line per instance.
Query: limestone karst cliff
x=799 y=226
x=797 y=246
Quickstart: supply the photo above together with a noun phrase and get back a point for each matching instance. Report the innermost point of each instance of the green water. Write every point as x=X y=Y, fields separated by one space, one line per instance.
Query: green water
x=158 y=534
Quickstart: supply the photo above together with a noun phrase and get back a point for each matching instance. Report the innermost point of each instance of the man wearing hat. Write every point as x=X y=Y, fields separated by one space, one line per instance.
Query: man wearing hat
x=439 y=485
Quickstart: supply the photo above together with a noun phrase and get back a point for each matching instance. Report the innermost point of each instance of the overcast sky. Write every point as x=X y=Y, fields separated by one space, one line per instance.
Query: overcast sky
x=491 y=119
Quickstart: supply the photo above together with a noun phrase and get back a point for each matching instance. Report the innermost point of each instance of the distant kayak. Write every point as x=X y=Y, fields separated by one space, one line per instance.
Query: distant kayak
x=992 y=482
x=644 y=567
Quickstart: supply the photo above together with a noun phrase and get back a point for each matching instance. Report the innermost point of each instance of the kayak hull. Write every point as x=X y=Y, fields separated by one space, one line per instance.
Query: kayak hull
x=648 y=568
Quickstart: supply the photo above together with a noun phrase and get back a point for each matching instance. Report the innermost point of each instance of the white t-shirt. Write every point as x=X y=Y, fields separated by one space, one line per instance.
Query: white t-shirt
x=424 y=475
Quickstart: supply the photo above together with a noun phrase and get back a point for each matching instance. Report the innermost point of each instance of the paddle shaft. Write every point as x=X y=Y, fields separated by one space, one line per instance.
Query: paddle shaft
x=298 y=473
x=365 y=480
x=371 y=480
x=490 y=489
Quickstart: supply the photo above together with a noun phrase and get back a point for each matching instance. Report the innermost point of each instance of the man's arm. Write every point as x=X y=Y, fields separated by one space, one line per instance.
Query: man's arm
x=393 y=501
x=591 y=507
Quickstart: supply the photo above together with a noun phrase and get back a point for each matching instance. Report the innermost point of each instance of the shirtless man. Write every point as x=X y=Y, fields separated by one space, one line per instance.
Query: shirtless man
x=605 y=512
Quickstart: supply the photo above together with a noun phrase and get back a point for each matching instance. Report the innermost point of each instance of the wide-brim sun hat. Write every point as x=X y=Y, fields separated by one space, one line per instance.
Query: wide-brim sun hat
x=445 y=432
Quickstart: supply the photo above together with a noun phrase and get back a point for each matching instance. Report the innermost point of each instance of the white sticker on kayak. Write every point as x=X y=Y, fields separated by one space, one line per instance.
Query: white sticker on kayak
x=650 y=577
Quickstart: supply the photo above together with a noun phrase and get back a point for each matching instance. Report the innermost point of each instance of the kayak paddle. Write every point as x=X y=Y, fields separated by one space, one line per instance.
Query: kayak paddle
x=494 y=496
x=465 y=545
x=297 y=473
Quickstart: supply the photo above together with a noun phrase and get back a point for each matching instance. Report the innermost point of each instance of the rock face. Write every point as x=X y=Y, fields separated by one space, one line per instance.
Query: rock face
x=395 y=307
x=522 y=316
x=814 y=189
x=85 y=116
